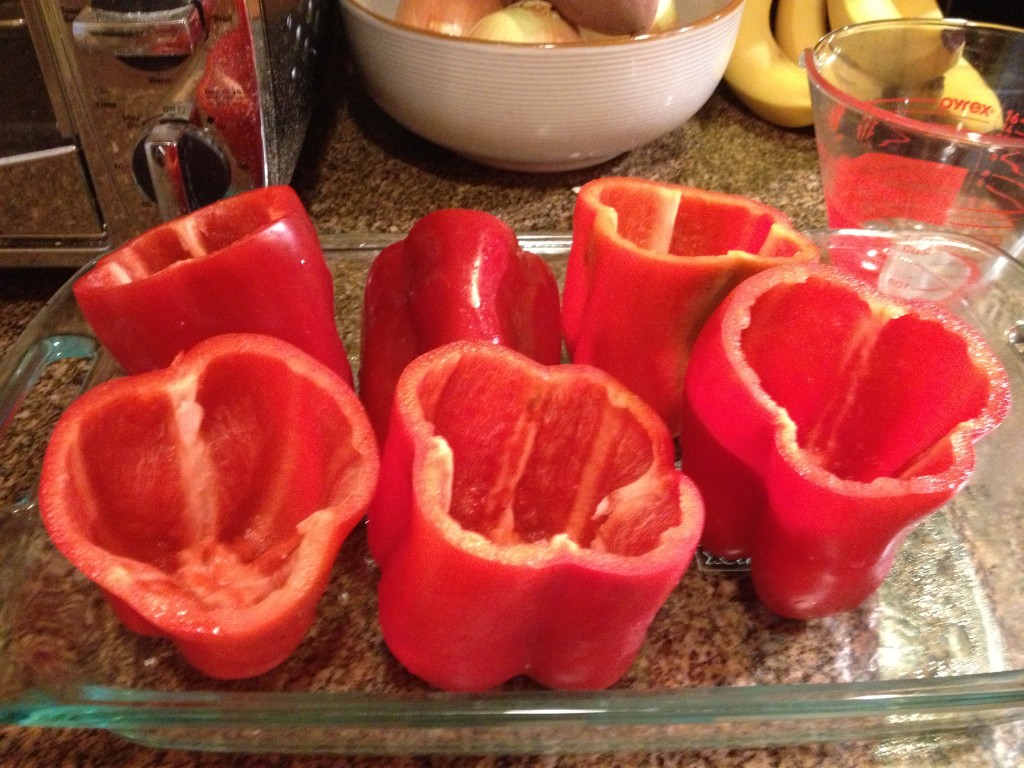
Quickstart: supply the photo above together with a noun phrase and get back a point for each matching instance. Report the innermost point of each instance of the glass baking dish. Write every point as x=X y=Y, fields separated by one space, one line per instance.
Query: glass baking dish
x=939 y=648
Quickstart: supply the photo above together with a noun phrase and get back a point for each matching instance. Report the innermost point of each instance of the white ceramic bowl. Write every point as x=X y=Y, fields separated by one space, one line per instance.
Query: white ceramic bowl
x=541 y=107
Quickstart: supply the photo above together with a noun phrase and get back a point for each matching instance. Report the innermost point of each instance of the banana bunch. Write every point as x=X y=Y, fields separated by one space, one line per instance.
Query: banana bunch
x=764 y=74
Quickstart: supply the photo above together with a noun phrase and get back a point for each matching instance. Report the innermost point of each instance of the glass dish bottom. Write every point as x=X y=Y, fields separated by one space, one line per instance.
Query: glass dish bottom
x=940 y=647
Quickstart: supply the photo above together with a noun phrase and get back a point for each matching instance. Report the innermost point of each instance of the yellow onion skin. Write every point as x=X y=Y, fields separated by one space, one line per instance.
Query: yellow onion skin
x=448 y=17
x=610 y=17
x=528 y=21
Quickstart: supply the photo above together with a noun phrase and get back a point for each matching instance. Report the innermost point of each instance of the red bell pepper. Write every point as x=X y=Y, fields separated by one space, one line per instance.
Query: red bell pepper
x=649 y=262
x=823 y=420
x=249 y=263
x=529 y=520
x=458 y=275
x=209 y=500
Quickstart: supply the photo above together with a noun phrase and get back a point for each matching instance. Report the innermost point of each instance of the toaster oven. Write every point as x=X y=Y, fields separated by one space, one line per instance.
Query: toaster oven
x=117 y=114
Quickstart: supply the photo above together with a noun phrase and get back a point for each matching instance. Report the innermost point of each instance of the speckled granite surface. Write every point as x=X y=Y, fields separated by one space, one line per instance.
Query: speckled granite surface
x=362 y=173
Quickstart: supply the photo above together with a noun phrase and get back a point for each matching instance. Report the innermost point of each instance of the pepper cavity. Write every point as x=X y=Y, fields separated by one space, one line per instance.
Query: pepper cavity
x=550 y=461
x=888 y=385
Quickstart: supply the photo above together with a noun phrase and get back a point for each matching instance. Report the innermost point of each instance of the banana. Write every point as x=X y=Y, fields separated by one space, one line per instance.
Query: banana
x=918 y=9
x=762 y=76
x=843 y=12
x=799 y=25
x=969 y=102
x=965 y=100
x=910 y=58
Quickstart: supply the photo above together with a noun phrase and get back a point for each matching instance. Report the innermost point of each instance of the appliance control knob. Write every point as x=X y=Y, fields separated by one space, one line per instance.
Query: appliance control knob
x=142 y=28
x=139 y=6
x=180 y=168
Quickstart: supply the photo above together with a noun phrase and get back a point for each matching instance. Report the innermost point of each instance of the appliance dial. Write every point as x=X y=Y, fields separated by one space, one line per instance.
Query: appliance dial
x=180 y=168
x=142 y=28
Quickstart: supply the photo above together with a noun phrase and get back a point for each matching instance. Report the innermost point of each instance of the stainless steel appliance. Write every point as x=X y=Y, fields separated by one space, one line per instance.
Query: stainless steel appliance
x=116 y=114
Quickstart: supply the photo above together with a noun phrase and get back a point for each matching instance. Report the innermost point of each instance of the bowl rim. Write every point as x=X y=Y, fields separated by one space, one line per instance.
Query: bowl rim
x=817 y=80
x=726 y=8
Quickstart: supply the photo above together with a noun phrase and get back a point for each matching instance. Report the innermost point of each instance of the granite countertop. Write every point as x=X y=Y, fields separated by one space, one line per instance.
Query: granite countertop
x=359 y=172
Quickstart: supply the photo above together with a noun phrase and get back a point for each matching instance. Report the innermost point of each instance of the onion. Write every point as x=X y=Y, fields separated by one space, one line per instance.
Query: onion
x=449 y=17
x=609 y=17
x=528 y=21
x=666 y=18
x=618 y=19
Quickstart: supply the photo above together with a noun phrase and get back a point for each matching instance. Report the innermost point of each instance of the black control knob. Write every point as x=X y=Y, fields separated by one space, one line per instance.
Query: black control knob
x=180 y=168
x=139 y=6
x=141 y=29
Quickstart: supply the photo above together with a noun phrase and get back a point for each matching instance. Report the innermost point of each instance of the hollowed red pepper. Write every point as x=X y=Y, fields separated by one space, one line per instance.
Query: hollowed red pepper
x=458 y=275
x=824 y=419
x=249 y=263
x=649 y=262
x=529 y=520
x=208 y=500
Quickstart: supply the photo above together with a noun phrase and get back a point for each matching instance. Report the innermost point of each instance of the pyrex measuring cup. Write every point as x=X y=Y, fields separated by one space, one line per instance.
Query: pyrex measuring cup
x=921 y=122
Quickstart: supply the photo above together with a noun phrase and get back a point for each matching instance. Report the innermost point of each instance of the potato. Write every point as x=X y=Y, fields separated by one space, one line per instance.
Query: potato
x=609 y=17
